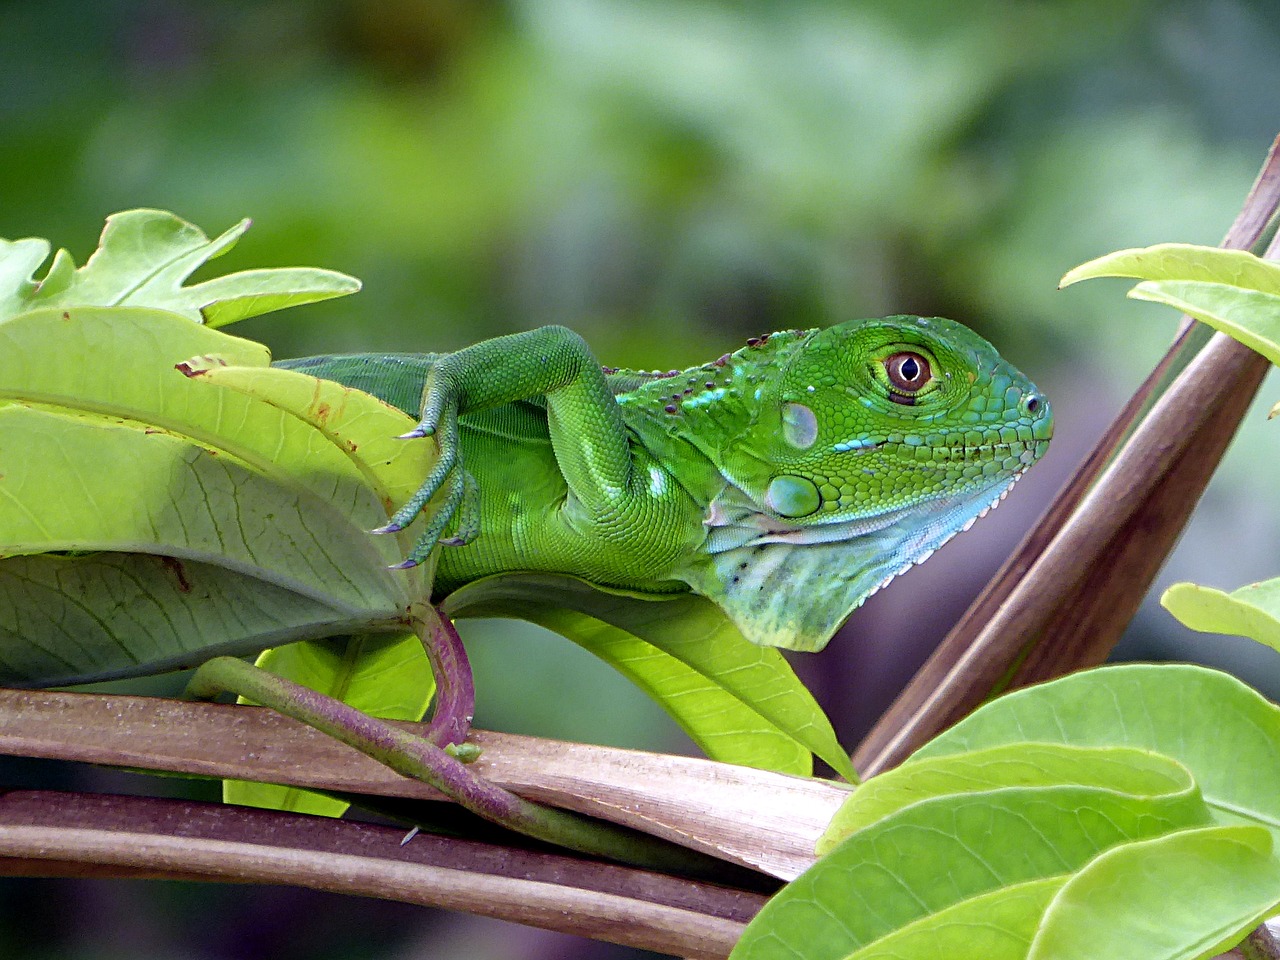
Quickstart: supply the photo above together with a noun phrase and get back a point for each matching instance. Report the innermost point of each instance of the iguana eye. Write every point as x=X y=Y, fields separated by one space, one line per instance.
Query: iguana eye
x=908 y=373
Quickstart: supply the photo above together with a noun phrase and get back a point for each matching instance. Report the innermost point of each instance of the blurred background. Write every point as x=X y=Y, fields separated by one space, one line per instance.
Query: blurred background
x=668 y=178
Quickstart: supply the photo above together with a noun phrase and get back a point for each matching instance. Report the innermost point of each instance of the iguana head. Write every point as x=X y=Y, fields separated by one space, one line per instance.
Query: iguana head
x=869 y=444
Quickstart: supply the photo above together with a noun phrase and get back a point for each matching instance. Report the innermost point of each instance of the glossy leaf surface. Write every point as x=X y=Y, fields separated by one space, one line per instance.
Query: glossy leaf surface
x=1225 y=733
x=915 y=865
x=1016 y=765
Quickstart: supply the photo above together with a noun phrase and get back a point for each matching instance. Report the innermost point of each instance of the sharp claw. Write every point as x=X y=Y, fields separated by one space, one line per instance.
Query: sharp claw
x=453 y=542
x=404 y=565
x=388 y=528
x=415 y=434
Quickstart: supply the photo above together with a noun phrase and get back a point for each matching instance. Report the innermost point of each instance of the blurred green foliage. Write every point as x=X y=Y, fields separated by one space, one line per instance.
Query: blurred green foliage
x=668 y=177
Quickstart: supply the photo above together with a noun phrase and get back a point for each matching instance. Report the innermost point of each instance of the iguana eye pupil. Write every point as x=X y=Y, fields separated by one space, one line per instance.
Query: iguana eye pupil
x=908 y=372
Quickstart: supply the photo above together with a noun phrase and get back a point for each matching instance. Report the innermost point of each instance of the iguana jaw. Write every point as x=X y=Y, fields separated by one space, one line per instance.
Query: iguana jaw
x=792 y=586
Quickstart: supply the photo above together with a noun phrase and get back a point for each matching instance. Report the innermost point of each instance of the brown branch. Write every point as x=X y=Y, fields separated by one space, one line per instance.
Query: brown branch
x=43 y=833
x=765 y=821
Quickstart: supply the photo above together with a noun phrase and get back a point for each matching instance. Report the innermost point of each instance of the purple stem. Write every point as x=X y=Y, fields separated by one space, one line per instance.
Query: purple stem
x=455 y=705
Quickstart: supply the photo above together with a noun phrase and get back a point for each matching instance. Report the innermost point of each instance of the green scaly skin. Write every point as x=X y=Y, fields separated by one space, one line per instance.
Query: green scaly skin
x=785 y=482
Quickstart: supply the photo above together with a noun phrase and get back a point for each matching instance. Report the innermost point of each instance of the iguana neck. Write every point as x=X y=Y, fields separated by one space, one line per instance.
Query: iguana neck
x=718 y=424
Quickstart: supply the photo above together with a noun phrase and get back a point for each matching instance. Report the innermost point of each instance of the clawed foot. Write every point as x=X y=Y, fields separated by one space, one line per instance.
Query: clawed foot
x=462 y=496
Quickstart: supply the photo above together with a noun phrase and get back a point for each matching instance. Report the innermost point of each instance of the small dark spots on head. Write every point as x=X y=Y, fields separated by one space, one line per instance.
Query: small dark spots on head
x=670 y=408
x=608 y=370
x=721 y=361
x=754 y=341
x=689 y=390
x=709 y=384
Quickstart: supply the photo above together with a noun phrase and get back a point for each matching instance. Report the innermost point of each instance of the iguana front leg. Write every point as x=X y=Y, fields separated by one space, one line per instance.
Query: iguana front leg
x=586 y=426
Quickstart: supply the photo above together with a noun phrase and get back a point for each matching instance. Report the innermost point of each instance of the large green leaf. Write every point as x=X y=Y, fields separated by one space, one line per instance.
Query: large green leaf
x=1226 y=734
x=143 y=259
x=1252 y=611
x=1136 y=772
x=1046 y=825
x=739 y=701
x=915 y=865
x=182 y=502
x=124 y=453
x=383 y=675
x=1184 y=896
x=119 y=362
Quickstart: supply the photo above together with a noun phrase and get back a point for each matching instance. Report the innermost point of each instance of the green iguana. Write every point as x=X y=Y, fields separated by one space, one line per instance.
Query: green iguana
x=786 y=482
x=776 y=487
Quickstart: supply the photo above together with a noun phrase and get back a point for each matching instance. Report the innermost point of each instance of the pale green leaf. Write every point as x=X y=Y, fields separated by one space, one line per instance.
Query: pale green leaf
x=1185 y=896
x=1249 y=316
x=1226 y=734
x=382 y=675
x=998 y=925
x=76 y=359
x=723 y=726
x=361 y=426
x=352 y=419
x=1183 y=261
x=1252 y=611
x=691 y=631
x=913 y=865
x=189 y=505
x=1135 y=772
x=143 y=259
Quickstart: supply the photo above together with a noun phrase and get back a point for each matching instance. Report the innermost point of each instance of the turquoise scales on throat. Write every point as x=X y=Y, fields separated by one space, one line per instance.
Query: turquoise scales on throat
x=785 y=482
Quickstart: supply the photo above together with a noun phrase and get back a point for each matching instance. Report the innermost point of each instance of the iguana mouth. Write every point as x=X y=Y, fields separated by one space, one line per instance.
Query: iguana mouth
x=965 y=451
